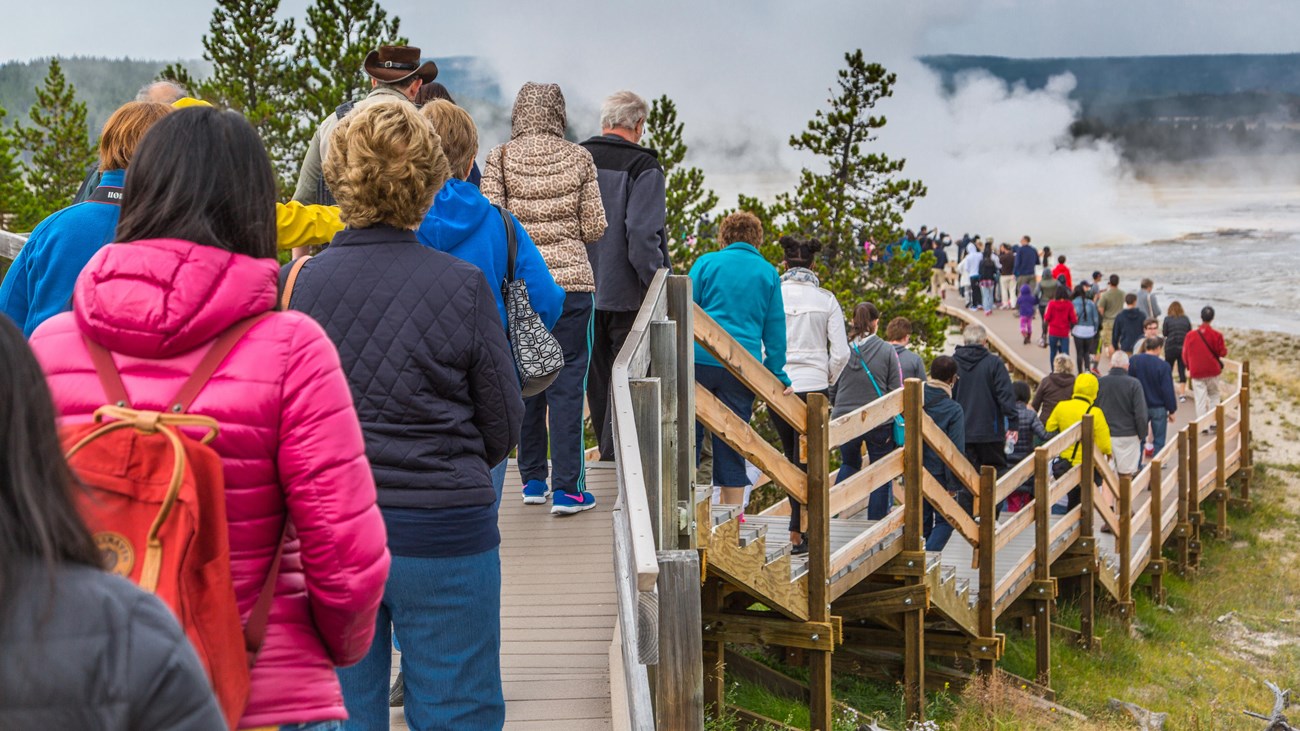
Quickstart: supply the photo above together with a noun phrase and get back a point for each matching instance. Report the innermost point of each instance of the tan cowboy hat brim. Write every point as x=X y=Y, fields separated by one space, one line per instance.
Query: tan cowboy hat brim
x=427 y=71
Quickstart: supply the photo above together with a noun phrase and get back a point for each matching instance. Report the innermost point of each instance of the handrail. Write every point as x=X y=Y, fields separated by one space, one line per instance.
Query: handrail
x=710 y=335
x=10 y=244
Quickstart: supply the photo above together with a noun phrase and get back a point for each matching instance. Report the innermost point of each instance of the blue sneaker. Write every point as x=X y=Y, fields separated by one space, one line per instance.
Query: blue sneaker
x=568 y=503
x=536 y=492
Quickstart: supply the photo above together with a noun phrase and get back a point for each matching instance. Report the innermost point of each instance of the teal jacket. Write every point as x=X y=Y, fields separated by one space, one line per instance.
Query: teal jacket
x=742 y=292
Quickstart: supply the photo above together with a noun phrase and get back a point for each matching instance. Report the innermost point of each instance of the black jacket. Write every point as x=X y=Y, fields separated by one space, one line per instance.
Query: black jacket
x=98 y=654
x=431 y=372
x=1128 y=329
x=1120 y=398
x=1175 y=331
x=984 y=392
x=634 y=245
x=948 y=416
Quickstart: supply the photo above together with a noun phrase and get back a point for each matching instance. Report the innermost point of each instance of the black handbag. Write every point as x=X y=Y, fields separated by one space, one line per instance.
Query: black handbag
x=538 y=355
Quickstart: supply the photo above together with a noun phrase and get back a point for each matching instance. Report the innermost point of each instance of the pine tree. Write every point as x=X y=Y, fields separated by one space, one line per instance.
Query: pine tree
x=12 y=188
x=856 y=191
x=689 y=202
x=333 y=45
x=60 y=149
x=181 y=76
x=253 y=73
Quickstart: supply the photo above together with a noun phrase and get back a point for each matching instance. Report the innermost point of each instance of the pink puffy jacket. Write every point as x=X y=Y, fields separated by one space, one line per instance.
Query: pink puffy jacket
x=289 y=440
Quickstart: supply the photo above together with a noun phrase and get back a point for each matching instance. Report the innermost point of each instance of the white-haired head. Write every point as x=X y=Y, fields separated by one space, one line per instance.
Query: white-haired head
x=975 y=335
x=623 y=110
x=1119 y=360
x=164 y=92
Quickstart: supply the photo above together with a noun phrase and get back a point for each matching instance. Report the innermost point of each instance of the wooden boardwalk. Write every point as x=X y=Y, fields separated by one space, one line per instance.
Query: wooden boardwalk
x=557 y=611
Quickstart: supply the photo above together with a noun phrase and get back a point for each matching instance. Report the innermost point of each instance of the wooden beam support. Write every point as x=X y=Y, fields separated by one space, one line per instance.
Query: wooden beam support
x=679 y=690
x=1221 y=530
x=1183 y=533
x=714 y=652
x=821 y=700
x=906 y=598
x=777 y=632
x=1087 y=541
x=1247 y=451
x=1155 y=567
x=725 y=425
x=1124 y=547
x=1044 y=590
x=647 y=402
x=681 y=310
x=987 y=558
x=914 y=474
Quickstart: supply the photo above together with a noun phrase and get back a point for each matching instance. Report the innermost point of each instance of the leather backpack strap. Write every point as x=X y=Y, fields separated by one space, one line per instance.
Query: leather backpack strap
x=255 y=630
x=512 y=246
x=109 y=377
x=287 y=295
x=213 y=358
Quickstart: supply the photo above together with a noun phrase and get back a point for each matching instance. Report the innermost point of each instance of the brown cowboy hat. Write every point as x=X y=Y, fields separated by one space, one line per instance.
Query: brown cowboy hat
x=392 y=64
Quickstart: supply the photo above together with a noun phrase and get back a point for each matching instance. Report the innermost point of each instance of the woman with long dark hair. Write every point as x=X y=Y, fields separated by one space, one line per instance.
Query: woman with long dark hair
x=126 y=665
x=197 y=258
x=1176 y=328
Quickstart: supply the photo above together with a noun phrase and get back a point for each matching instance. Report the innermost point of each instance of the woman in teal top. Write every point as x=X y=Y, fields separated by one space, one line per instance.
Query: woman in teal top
x=741 y=291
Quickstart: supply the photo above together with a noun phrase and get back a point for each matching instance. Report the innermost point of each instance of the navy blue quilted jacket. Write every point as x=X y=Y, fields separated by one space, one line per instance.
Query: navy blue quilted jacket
x=426 y=357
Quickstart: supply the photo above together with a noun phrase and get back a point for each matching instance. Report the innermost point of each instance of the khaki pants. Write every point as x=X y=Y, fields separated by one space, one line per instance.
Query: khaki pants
x=1009 y=291
x=1127 y=452
x=1207 y=394
x=936 y=282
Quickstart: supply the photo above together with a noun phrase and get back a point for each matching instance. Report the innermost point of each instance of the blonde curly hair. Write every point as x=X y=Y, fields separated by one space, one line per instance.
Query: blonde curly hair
x=385 y=165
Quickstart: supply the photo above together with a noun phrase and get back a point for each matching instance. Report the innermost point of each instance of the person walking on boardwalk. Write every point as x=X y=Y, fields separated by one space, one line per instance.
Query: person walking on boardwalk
x=1027 y=432
x=551 y=186
x=1059 y=318
x=1026 y=264
x=1146 y=300
x=1157 y=381
x=1055 y=388
x=988 y=278
x=1045 y=291
x=1025 y=305
x=984 y=392
x=1175 y=328
x=970 y=268
x=1086 y=330
x=1071 y=412
x=872 y=372
x=946 y=414
x=742 y=293
x=434 y=428
x=1204 y=351
x=1061 y=271
x=1109 y=303
x=1121 y=399
x=124 y=665
x=40 y=281
x=816 y=350
x=191 y=262
x=1129 y=327
x=464 y=224
x=633 y=249
x=1007 y=288
x=899 y=334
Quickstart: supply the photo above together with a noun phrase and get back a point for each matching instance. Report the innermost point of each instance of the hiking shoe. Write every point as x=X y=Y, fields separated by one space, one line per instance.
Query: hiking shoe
x=799 y=548
x=397 y=694
x=536 y=492
x=568 y=503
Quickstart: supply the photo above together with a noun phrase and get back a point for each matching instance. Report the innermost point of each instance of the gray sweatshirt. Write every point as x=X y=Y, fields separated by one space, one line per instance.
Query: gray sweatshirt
x=854 y=389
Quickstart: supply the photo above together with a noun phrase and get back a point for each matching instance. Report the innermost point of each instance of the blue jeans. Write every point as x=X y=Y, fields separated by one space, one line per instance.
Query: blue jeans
x=986 y=296
x=553 y=418
x=314 y=726
x=448 y=611
x=728 y=465
x=1159 y=426
x=938 y=528
x=499 y=479
x=880 y=442
x=1056 y=346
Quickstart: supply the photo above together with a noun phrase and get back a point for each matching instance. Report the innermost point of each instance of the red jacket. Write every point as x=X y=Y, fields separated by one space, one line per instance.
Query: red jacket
x=1063 y=269
x=290 y=444
x=1060 y=317
x=1200 y=348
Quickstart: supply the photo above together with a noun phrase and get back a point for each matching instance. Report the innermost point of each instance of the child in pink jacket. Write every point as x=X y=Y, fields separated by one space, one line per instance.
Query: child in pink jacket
x=198 y=226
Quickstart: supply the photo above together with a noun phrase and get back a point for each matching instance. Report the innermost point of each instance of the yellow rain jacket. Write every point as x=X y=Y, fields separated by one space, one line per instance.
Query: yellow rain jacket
x=1071 y=411
x=299 y=225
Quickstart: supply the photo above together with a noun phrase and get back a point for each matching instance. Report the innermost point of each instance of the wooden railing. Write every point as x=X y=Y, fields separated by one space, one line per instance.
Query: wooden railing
x=11 y=244
x=656 y=569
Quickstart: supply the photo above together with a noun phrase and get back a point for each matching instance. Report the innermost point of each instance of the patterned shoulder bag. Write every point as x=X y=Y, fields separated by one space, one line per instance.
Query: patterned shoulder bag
x=538 y=355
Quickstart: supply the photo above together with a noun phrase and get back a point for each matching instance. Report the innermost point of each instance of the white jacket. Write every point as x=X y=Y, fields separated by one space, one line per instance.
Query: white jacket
x=816 y=347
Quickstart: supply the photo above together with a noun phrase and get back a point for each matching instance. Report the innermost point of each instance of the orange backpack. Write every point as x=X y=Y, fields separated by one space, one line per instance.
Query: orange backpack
x=156 y=505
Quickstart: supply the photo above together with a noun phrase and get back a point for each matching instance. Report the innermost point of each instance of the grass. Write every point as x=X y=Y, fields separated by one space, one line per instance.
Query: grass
x=1202 y=658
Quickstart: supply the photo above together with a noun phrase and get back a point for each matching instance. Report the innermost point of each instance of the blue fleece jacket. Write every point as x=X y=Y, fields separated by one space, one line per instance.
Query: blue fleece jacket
x=464 y=224
x=742 y=292
x=1157 y=381
x=39 y=284
x=1026 y=261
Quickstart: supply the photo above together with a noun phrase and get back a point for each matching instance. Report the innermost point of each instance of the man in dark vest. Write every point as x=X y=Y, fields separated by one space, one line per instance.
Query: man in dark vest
x=633 y=248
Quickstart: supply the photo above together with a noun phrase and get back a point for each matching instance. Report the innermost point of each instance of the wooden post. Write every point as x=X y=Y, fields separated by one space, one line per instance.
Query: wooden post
x=1247 y=451
x=1042 y=593
x=679 y=694
x=913 y=544
x=714 y=653
x=820 y=700
x=645 y=415
x=1087 y=539
x=1193 y=495
x=1157 y=562
x=988 y=570
x=663 y=357
x=1221 y=473
x=1124 y=547
x=1183 y=531
x=681 y=310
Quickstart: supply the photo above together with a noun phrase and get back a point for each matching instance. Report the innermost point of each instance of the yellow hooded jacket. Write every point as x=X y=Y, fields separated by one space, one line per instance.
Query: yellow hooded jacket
x=1071 y=411
x=296 y=224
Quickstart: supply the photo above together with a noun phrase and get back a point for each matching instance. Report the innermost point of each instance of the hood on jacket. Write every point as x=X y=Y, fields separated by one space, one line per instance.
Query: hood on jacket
x=539 y=109
x=969 y=356
x=1024 y=290
x=1085 y=386
x=458 y=212
x=616 y=141
x=160 y=298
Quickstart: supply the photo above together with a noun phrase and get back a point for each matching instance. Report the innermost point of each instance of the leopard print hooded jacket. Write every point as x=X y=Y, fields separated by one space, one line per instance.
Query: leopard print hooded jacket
x=549 y=184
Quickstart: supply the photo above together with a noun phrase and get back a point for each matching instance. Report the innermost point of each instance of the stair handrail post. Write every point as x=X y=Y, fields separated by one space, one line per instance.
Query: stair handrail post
x=681 y=309
x=1184 y=528
x=1124 y=547
x=820 y=708
x=1157 y=562
x=1044 y=592
x=1247 y=459
x=913 y=543
x=1087 y=540
x=1194 y=515
x=1221 y=472
x=987 y=558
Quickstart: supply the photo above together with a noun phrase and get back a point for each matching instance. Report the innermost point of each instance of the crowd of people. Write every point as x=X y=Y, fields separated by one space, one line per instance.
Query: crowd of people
x=363 y=399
